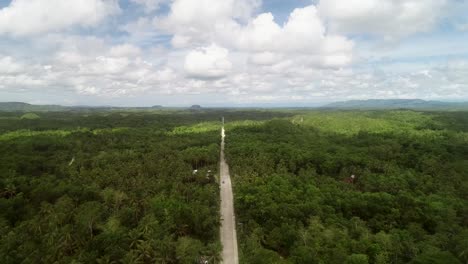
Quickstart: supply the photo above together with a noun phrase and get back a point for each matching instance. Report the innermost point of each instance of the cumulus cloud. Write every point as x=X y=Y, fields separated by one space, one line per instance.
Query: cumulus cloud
x=9 y=66
x=106 y=71
x=425 y=81
x=389 y=18
x=125 y=50
x=208 y=62
x=302 y=38
x=115 y=75
x=265 y=58
x=33 y=17
x=196 y=22
x=16 y=75
x=304 y=31
x=228 y=47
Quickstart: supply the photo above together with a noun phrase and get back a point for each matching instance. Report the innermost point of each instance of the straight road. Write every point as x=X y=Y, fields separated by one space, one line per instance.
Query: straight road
x=228 y=220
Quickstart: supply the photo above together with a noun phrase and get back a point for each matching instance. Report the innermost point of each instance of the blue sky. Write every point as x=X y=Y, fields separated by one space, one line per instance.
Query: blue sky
x=231 y=52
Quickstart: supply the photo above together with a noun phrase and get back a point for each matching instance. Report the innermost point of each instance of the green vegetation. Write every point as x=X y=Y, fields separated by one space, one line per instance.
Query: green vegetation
x=398 y=104
x=197 y=128
x=297 y=203
x=111 y=187
x=351 y=123
x=211 y=126
x=120 y=187
x=18 y=106
x=30 y=116
x=104 y=193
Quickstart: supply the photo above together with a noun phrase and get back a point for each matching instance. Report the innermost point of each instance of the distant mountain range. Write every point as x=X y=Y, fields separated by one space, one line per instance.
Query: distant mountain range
x=25 y=107
x=416 y=104
x=398 y=104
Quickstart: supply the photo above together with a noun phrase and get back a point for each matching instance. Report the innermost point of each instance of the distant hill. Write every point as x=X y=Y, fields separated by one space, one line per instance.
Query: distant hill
x=24 y=107
x=398 y=104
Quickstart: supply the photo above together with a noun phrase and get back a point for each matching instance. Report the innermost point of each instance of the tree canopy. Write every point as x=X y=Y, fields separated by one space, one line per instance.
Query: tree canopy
x=297 y=200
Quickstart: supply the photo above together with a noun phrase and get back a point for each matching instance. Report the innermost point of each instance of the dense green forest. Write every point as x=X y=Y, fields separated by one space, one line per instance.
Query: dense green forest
x=111 y=187
x=296 y=200
x=386 y=104
x=121 y=187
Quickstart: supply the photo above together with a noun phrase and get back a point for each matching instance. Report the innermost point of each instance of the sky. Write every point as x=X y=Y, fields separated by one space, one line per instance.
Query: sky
x=232 y=52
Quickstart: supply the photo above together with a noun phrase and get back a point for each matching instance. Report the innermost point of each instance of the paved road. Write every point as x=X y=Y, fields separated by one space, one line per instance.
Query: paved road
x=228 y=221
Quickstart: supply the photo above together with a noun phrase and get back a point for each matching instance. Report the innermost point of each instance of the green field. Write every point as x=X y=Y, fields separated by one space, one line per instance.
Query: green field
x=119 y=186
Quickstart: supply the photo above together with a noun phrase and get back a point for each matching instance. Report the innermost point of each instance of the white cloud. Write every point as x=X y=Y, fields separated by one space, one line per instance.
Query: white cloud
x=265 y=58
x=303 y=35
x=208 y=62
x=196 y=22
x=304 y=30
x=33 y=17
x=18 y=75
x=211 y=72
x=9 y=66
x=445 y=81
x=302 y=41
x=86 y=90
x=203 y=13
x=389 y=18
x=319 y=53
x=244 y=9
x=103 y=71
x=105 y=65
x=125 y=50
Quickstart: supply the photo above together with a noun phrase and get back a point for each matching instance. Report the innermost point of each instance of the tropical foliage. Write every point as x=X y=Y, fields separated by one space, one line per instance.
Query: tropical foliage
x=297 y=202
x=108 y=187
x=141 y=187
